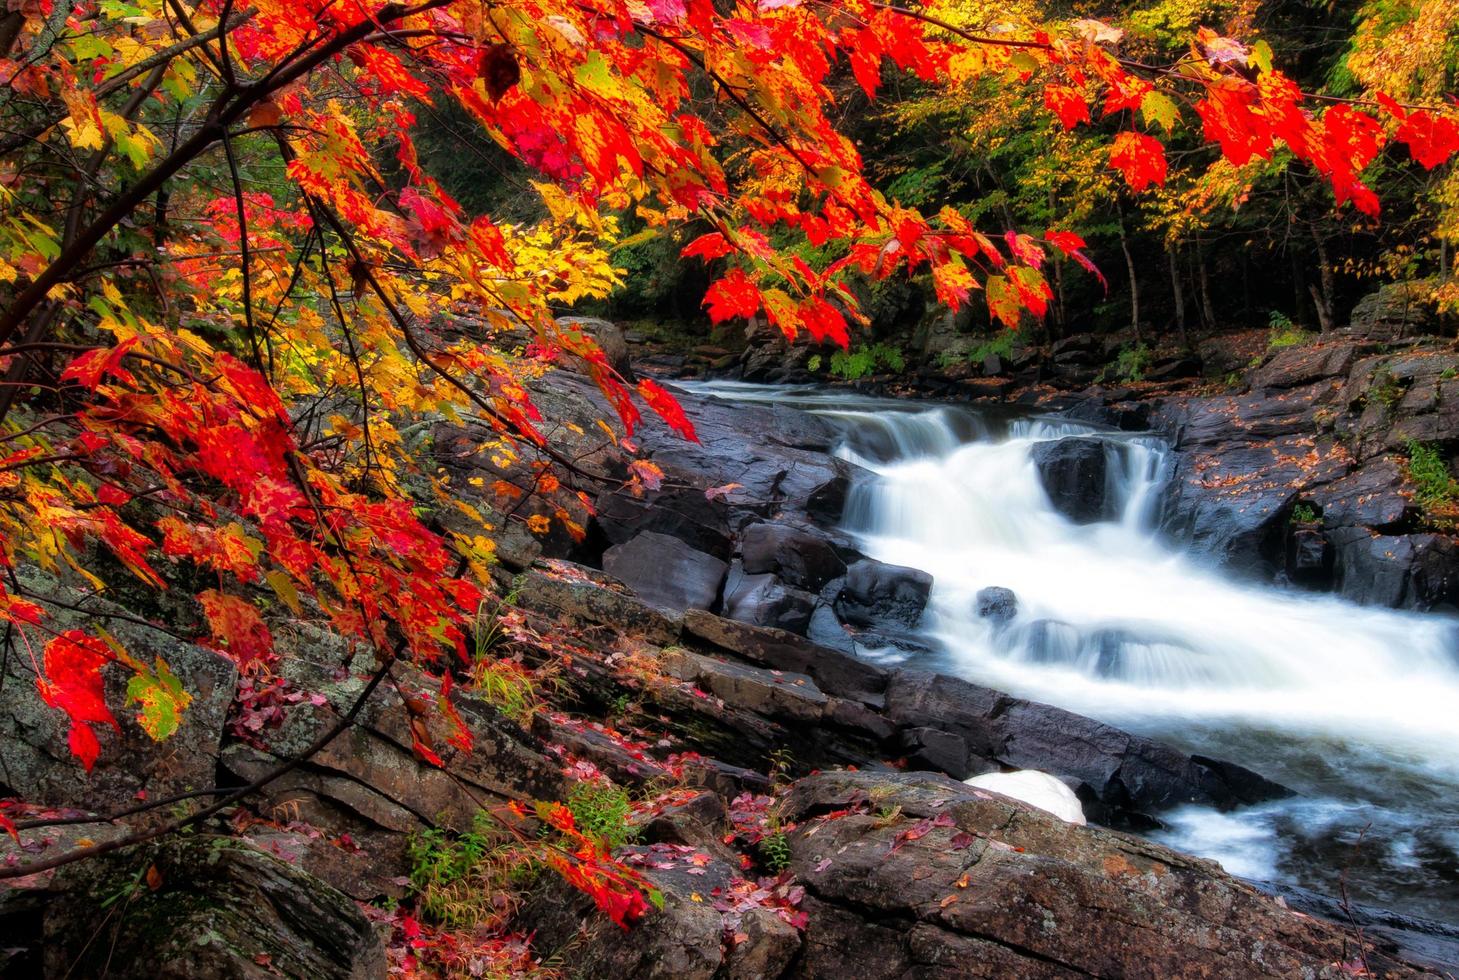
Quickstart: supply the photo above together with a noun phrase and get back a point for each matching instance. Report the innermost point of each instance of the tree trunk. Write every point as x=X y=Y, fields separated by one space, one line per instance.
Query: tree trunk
x=1325 y=276
x=1177 y=290
x=1134 y=283
x=1203 y=280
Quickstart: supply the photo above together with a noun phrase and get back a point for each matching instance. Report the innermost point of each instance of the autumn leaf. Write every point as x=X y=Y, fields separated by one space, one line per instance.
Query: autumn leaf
x=162 y=699
x=1139 y=158
x=238 y=630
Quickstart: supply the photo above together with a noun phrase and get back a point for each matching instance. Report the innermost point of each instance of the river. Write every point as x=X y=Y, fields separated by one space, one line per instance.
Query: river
x=1355 y=708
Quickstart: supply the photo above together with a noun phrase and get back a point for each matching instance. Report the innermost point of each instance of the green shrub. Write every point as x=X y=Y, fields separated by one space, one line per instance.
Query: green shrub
x=1305 y=513
x=602 y=811
x=865 y=359
x=1284 y=333
x=1434 y=486
x=775 y=849
x=1132 y=363
x=466 y=880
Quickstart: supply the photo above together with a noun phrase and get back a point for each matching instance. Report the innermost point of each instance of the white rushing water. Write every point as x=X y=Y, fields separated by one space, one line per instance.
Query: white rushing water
x=1355 y=707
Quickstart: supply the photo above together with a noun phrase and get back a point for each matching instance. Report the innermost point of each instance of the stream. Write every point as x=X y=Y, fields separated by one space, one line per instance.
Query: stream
x=1355 y=708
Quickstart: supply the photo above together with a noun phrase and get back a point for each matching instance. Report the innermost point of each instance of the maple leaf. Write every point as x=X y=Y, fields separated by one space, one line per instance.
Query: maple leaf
x=71 y=681
x=734 y=295
x=1140 y=158
x=1067 y=104
x=1431 y=138
x=237 y=630
x=163 y=700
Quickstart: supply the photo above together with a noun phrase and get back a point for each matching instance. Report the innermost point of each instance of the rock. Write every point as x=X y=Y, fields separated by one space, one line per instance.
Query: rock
x=1079 y=348
x=1412 y=571
x=997 y=604
x=666 y=572
x=36 y=762
x=801 y=557
x=1122 y=777
x=608 y=336
x=1395 y=310
x=834 y=672
x=1309 y=556
x=772 y=694
x=1295 y=367
x=877 y=593
x=1073 y=473
x=220 y=908
x=764 y=600
x=585 y=595
x=1037 y=789
x=961 y=883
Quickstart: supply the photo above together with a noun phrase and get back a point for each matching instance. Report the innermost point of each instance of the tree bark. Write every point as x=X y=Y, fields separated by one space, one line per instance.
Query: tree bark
x=1326 y=299
x=1177 y=289
x=1203 y=280
x=1134 y=283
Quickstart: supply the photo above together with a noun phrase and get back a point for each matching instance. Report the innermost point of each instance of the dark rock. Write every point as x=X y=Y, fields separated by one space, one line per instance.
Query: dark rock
x=764 y=600
x=834 y=672
x=221 y=908
x=1368 y=497
x=1296 y=367
x=1073 y=471
x=1309 y=556
x=1079 y=348
x=940 y=751
x=666 y=572
x=771 y=693
x=989 y=887
x=1395 y=310
x=997 y=604
x=1412 y=571
x=700 y=822
x=800 y=556
x=585 y=595
x=876 y=593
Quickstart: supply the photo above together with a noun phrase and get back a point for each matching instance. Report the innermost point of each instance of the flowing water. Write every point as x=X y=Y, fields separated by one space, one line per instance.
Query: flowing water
x=1356 y=708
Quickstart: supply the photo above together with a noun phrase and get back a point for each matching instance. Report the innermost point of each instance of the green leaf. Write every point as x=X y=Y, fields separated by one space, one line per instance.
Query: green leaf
x=162 y=699
x=1157 y=107
x=1261 y=56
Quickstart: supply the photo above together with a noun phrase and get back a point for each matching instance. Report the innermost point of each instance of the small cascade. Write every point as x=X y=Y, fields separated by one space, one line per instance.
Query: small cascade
x=1355 y=707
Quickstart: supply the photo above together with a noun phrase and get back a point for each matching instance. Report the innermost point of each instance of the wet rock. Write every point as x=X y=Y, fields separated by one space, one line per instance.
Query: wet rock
x=1309 y=556
x=988 y=887
x=666 y=572
x=996 y=604
x=876 y=593
x=1413 y=571
x=764 y=600
x=585 y=595
x=800 y=556
x=221 y=908
x=774 y=694
x=1298 y=366
x=1073 y=473
x=1370 y=497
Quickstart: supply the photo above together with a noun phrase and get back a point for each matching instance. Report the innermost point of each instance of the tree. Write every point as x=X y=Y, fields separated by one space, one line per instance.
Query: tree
x=232 y=288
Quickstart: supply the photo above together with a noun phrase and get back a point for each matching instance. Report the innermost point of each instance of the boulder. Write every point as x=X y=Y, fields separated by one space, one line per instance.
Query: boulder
x=764 y=600
x=666 y=572
x=36 y=762
x=609 y=338
x=800 y=556
x=960 y=883
x=1411 y=571
x=1395 y=310
x=585 y=595
x=878 y=594
x=1309 y=556
x=1073 y=473
x=211 y=907
x=997 y=605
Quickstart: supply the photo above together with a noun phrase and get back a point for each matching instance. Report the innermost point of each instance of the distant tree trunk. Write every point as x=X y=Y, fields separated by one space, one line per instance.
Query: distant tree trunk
x=1245 y=285
x=1134 y=283
x=1325 y=299
x=1061 y=316
x=1177 y=289
x=1203 y=280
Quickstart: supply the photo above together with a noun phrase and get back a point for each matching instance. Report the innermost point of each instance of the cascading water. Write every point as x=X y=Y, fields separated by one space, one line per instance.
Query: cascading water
x=1356 y=708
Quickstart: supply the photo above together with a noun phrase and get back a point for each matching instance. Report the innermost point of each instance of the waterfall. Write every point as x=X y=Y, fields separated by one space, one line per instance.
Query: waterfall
x=1355 y=707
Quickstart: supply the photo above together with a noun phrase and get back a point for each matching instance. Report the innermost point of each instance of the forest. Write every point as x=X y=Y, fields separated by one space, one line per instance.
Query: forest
x=729 y=488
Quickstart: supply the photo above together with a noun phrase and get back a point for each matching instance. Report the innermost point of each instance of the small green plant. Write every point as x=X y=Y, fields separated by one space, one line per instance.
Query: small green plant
x=469 y=879
x=602 y=811
x=1434 y=485
x=1305 y=513
x=1386 y=389
x=1449 y=373
x=865 y=359
x=1132 y=363
x=490 y=630
x=813 y=363
x=1284 y=333
x=1001 y=345
x=775 y=849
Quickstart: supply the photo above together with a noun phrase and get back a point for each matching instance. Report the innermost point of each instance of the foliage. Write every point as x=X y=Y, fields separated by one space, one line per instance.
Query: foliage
x=601 y=811
x=1305 y=513
x=463 y=881
x=1132 y=363
x=775 y=848
x=1434 y=486
x=234 y=290
x=853 y=365
x=1284 y=333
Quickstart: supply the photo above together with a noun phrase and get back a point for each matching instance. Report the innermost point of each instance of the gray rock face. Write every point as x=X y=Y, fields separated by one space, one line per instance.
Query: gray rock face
x=609 y=337
x=666 y=572
x=764 y=600
x=879 y=594
x=801 y=557
x=1399 y=309
x=966 y=883
x=35 y=760
x=223 y=909
x=1073 y=471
